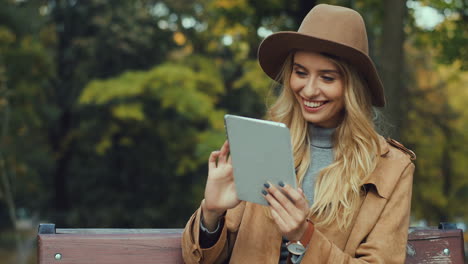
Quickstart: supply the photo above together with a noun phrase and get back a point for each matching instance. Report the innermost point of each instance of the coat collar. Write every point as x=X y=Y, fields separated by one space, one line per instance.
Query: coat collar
x=384 y=149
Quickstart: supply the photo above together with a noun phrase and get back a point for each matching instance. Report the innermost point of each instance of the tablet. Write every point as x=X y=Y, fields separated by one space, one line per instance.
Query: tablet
x=261 y=152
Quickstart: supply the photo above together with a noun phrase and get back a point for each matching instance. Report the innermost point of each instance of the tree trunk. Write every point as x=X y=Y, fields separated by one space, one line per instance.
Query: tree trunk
x=392 y=64
x=6 y=191
x=64 y=98
x=446 y=159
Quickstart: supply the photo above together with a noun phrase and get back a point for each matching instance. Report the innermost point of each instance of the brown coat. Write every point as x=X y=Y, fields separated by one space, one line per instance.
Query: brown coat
x=377 y=235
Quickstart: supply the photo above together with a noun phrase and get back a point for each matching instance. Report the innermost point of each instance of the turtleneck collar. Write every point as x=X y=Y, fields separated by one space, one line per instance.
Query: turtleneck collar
x=320 y=137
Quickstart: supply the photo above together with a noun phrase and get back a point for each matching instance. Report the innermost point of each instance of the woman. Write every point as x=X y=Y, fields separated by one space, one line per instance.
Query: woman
x=354 y=203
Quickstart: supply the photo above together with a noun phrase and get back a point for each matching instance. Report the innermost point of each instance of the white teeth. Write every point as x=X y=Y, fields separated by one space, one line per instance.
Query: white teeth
x=313 y=104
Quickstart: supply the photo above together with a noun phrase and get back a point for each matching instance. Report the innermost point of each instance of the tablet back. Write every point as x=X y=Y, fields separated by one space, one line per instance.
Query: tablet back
x=261 y=152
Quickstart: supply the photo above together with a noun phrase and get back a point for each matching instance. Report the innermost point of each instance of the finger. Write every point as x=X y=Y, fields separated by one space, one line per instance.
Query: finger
x=228 y=151
x=278 y=220
x=223 y=153
x=278 y=195
x=289 y=206
x=300 y=191
x=278 y=207
x=212 y=160
x=297 y=196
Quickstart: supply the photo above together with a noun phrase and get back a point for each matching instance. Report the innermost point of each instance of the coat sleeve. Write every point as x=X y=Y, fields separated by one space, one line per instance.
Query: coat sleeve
x=386 y=242
x=193 y=253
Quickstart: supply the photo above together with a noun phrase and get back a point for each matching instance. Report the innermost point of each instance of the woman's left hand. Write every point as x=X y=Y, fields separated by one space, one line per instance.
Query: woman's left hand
x=289 y=209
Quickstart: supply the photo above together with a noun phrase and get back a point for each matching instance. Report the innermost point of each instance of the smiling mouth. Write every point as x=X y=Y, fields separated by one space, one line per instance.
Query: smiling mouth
x=314 y=104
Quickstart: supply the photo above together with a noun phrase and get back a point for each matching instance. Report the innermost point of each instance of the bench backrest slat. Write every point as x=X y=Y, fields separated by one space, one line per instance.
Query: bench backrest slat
x=120 y=248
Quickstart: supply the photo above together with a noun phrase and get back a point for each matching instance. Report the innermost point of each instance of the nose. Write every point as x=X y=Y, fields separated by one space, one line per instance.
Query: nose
x=311 y=88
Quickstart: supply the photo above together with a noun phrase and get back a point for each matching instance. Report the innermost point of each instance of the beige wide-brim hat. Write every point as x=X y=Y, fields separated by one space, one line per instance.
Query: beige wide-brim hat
x=334 y=30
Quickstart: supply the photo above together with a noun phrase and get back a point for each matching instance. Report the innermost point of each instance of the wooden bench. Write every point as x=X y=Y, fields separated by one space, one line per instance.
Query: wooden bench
x=119 y=246
x=106 y=246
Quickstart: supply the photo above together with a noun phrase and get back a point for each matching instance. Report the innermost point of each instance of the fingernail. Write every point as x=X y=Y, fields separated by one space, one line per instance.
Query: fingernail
x=267 y=185
x=281 y=183
x=264 y=192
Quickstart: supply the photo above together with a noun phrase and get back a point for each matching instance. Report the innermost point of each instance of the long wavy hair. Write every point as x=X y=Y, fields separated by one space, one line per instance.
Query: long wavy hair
x=338 y=187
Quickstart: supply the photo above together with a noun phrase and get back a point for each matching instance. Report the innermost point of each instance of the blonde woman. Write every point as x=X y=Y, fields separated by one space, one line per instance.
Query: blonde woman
x=354 y=203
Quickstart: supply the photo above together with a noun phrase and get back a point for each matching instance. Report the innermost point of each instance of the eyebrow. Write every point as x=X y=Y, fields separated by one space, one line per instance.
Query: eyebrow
x=322 y=71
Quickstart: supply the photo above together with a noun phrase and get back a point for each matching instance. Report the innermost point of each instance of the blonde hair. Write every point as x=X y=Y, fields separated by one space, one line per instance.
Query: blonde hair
x=356 y=147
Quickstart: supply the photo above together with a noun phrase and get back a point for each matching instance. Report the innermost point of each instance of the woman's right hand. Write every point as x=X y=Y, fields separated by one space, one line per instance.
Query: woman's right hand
x=220 y=191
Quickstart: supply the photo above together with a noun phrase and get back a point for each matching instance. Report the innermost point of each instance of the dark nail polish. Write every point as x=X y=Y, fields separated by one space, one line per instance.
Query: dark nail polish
x=267 y=185
x=281 y=183
x=264 y=192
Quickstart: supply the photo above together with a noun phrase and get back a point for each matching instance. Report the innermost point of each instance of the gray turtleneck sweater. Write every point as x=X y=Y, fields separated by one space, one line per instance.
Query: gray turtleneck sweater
x=321 y=150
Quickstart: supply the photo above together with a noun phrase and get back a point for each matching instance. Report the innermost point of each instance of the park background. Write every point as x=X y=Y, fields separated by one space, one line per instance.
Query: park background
x=109 y=109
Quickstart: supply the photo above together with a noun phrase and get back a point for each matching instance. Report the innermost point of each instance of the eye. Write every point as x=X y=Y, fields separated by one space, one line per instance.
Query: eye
x=300 y=73
x=327 y=78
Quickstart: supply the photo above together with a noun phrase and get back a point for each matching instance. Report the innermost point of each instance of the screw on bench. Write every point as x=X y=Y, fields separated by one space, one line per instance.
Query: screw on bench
x=58 y=256
x=446 y=251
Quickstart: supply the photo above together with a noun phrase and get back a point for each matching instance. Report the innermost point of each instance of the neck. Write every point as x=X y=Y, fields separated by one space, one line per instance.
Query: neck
x=320 y=137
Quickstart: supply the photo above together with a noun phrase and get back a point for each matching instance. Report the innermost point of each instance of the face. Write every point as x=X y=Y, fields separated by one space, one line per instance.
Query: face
x=318 y=87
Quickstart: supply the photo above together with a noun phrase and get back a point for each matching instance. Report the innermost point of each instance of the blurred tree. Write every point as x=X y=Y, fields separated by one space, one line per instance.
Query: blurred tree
x=438 y=128
x=93 y=39
x=437 y=121
x=24 y=68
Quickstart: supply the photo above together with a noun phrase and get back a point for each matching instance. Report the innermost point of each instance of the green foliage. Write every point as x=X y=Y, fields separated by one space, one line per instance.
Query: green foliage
x=449 y=39
x=130 y=84
x=191 y=88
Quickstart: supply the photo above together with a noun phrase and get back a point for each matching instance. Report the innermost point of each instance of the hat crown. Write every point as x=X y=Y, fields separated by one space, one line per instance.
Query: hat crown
x=337 y=24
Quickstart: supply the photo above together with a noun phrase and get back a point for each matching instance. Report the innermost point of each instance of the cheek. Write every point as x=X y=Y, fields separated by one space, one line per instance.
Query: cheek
x=295 y=84
x=338 y=96
x=340 y=105
x=336 y=92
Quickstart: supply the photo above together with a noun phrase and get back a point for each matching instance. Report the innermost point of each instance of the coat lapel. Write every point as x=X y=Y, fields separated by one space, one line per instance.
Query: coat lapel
x=378 y=190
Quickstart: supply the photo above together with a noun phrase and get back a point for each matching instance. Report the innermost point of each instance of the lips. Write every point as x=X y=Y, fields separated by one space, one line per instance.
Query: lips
x=314 y=104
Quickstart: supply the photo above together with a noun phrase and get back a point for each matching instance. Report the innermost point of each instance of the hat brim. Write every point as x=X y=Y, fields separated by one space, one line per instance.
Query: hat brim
x=275 y=48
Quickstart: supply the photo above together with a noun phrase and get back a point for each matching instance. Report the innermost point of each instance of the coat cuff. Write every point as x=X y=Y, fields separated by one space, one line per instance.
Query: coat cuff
x=206 y=255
